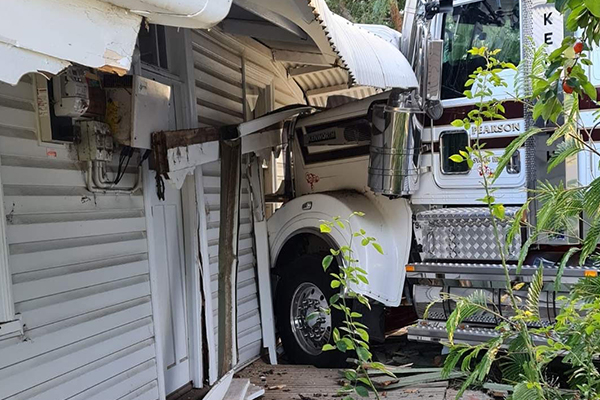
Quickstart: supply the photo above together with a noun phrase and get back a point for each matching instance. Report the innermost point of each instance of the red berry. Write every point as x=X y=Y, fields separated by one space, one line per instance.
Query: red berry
x=578 y=47
x=568 y=89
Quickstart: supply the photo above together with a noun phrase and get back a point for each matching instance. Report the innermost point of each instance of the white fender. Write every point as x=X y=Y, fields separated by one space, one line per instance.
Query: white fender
x=389 y=221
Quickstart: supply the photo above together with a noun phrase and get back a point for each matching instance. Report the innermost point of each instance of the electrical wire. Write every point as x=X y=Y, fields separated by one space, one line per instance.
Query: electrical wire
x=126 y=154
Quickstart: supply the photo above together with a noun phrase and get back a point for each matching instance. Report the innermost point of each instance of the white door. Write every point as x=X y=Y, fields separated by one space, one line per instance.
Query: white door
x=169 y=265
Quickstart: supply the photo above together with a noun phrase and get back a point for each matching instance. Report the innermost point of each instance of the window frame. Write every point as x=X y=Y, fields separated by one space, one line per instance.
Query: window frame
x=453 y=132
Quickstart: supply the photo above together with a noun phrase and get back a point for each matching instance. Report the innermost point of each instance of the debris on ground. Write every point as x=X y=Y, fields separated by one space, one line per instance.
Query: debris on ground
x=406 y=376
x=242 y=389
x=309 y=383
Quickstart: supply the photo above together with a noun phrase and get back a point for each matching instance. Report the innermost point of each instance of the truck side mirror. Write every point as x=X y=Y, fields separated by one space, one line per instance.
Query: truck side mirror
x=435 y=48
x=433 y=82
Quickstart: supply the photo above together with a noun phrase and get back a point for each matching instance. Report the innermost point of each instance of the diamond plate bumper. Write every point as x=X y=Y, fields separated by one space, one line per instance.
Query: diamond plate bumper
x=462 y=234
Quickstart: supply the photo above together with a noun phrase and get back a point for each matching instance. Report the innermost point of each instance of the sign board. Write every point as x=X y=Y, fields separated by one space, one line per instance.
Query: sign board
x=548 y=25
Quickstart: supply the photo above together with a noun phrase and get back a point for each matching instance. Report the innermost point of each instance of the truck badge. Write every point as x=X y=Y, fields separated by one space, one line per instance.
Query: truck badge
x=311 y=179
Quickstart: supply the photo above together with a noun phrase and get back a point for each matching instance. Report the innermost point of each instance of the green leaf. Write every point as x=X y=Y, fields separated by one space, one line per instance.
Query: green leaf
x=341 y=345
x=327 y=262
x=354 y=314
x=359 y=325
x=363 y=279
x=515 y=145
x=591 y=241
x=327 y=347
x=364 y=380
x=312 y=315
x=340 y=224
x=324 y=228
x=458 y=123
x=593 y=6
x=377 y=247
x=564 y=150
x=334 y=299
x=590 y=329
x=465 y=307
x=590 y=89
x=364 y=242
x=591 y=199
x=363 y=354
x=525 y=391
x=350 y=374
x=335 y=284
x=457 y=158
x=358 y=213
x=562 y=265
x=361 y=391
x=560 y=4
x=498 y=211
x=364 y=335
x=533 y=293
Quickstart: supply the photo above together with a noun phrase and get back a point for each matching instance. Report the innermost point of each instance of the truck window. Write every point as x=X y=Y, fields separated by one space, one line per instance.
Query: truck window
x=490 y=23
x=452 y=142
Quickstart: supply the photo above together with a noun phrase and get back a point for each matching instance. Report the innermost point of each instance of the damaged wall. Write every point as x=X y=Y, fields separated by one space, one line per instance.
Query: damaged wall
x=45 y=35
x=219 y=62
x=80 y=273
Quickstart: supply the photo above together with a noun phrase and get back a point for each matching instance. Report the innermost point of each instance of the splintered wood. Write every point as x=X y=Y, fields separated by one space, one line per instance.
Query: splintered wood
x=295 y=382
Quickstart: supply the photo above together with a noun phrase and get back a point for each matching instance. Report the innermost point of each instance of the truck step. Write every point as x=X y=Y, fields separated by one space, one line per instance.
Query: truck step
x=435 y=331
x=433 y=282
x=491 y=271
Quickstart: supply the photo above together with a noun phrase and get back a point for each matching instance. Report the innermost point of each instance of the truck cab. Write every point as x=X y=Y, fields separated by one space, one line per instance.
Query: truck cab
x=389 y=156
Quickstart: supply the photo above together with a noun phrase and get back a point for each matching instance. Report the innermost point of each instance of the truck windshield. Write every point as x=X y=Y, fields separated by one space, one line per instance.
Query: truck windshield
x=490 y=23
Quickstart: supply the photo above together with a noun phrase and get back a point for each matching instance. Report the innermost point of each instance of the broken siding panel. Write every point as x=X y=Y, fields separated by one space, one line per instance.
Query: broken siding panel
x=218 y=86
x=218 y=72
x=249 y=337
x=80 y=271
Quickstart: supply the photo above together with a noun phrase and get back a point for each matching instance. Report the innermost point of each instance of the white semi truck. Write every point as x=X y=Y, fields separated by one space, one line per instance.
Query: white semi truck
x=388 y=156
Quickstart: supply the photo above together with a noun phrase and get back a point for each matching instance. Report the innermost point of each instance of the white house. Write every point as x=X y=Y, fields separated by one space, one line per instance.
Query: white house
x=108 y=294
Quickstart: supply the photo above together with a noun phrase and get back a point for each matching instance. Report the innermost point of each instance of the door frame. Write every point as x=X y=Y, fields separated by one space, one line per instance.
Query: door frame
x=191 y=252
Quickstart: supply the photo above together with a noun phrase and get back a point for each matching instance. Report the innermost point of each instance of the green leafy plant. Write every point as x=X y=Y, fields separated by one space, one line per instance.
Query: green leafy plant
x=353 y=335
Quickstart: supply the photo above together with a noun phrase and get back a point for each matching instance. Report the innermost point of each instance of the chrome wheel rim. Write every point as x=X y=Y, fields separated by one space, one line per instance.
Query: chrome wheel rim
x=311 y=334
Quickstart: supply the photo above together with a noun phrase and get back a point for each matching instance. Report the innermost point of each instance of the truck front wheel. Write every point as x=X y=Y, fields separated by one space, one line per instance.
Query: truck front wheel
x=304 y=289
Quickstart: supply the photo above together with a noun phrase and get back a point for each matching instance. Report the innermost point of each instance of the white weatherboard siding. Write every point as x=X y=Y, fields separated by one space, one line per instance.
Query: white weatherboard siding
x=218 y=68
x=219 y=96
x=79 y=266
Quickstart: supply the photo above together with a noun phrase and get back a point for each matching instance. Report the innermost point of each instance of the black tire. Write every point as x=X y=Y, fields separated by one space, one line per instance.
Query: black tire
x=305 y=269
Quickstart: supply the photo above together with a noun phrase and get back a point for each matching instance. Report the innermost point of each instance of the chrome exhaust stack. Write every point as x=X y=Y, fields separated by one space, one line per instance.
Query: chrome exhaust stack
x=394 y=165
x=395 y=146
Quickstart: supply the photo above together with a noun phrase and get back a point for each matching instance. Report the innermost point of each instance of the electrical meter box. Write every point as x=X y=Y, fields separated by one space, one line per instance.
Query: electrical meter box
x=95 y=141
x=136 y=108
x=78 y=93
